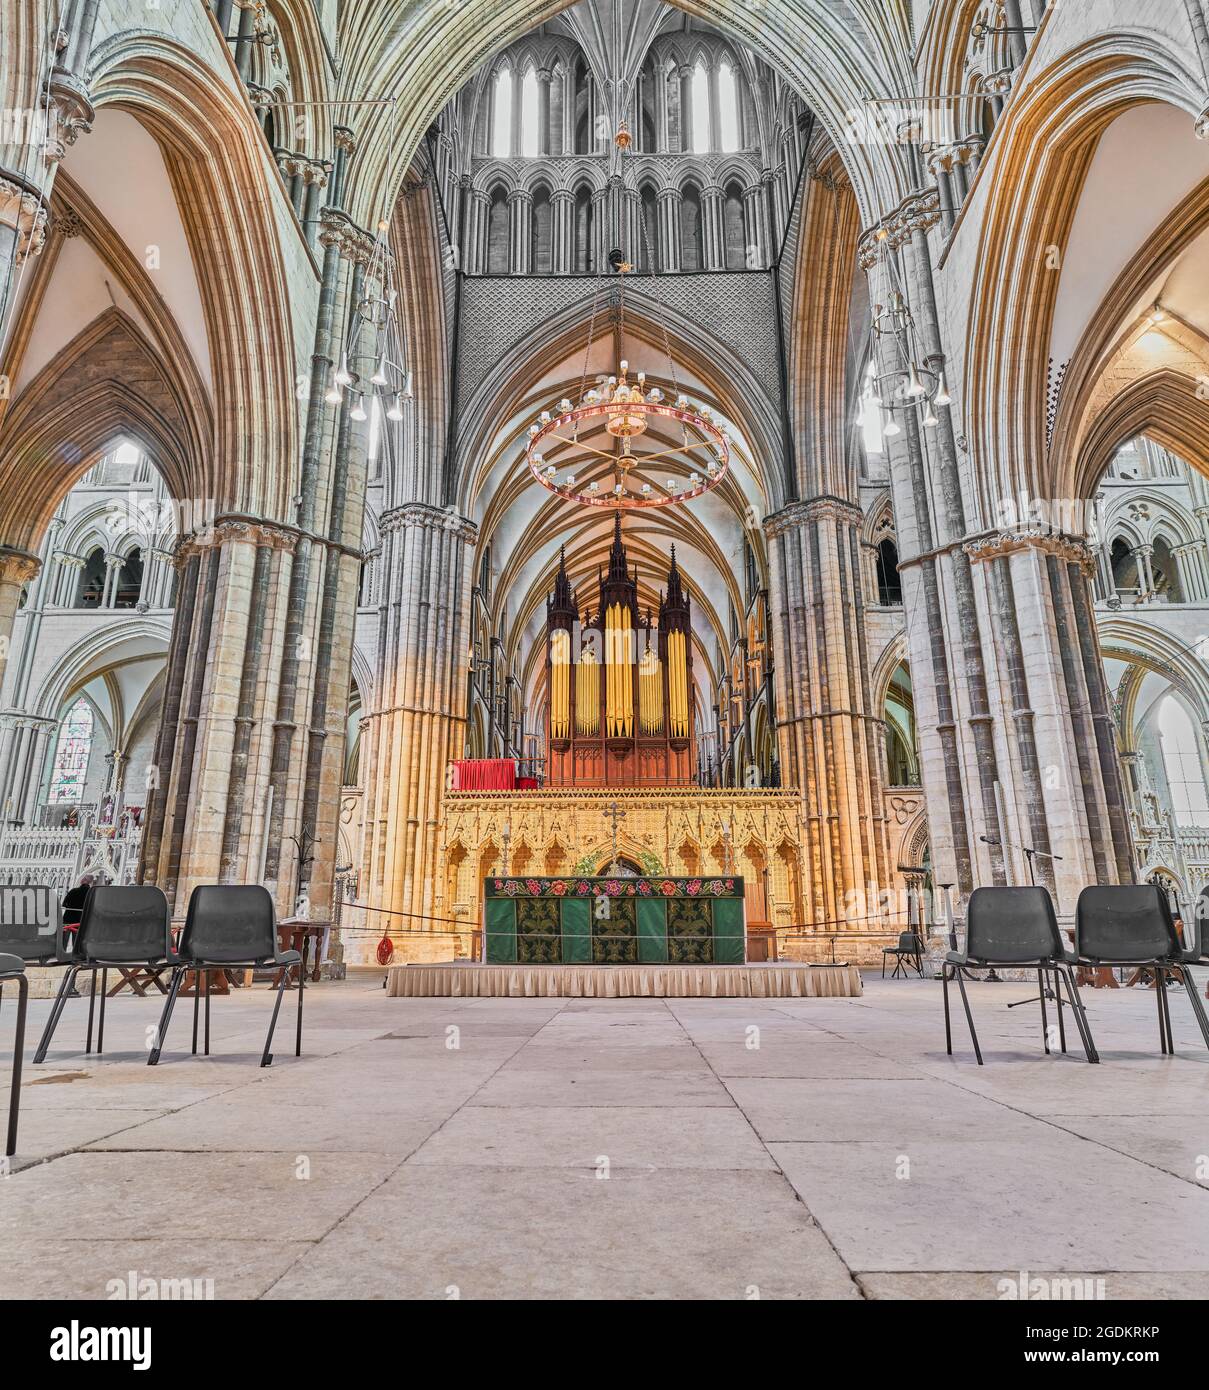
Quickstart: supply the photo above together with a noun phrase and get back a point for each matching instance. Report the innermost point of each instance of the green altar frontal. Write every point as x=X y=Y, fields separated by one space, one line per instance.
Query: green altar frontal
x=613 y=921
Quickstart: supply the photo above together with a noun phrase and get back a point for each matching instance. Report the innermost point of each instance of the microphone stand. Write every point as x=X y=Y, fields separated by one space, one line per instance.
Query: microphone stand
x=1029 y=855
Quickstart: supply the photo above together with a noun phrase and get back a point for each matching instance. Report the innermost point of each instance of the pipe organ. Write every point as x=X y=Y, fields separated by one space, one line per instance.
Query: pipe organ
x=619 y=684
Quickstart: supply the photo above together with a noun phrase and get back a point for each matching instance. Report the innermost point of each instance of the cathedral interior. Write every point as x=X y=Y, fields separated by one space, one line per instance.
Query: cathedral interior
x=288 y=594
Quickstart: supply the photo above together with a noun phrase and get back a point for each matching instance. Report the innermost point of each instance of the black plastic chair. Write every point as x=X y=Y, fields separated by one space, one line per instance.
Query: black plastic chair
x=908 y=952
x=230 y=925
x=1016 y=927
x=120 y=926
x=12 y=970
x=1131 y=925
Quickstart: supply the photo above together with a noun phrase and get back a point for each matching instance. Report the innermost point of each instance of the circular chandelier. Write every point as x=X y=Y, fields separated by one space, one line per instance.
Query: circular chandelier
x=622 y=443
x=627 y=473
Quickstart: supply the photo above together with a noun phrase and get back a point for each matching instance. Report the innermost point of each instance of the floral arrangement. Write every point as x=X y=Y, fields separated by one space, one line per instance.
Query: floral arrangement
x=614 y=887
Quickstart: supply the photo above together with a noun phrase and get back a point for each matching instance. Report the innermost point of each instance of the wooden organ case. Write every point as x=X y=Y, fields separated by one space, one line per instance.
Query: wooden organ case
x=620 y=707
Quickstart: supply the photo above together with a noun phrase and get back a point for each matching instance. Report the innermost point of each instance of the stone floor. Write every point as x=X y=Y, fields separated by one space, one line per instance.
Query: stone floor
x=483 y=1148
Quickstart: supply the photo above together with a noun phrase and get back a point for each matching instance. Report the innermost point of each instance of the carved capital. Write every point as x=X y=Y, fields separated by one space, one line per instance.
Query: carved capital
x=796 y=514
x=17 y=566
x=339 y=230
x=235 y=529
x=25 y=213
x=1066 y=548
x=420 y=515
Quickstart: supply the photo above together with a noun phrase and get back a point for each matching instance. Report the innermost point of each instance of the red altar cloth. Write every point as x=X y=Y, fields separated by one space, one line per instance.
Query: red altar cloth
x=484 y=774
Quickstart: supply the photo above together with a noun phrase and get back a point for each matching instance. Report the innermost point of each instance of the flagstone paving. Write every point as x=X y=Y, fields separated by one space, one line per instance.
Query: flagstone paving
x=546 y=1148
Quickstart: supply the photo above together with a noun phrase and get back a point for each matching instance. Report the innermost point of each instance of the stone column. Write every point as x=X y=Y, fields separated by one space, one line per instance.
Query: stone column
x=1141 y=555
x=29 y=789
x=223 y=614
x=959 y=759
x=830 y=736
x=713 y=237
x=520 y=223
x=113 y=567
x=17 y=568
x=669 y=201
x=419 y=722
x=755 y=255
x=474 y=252
x=1191 y=565
x=562 y=231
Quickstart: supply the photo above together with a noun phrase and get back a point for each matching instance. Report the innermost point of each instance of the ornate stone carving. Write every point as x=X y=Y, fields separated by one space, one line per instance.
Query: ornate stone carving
x=799 y=513
x=17 y=566
x=1032 y=538
x=339 y=230
x=22 y=210
x=420 y=514
x=248 y=530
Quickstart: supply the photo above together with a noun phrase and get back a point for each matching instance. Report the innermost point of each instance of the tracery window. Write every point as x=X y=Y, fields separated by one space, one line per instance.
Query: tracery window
x=700 y=101
x=71 y=754
x=530 y=129
x=1182 y=764
x=728 y=108
x=501 y=115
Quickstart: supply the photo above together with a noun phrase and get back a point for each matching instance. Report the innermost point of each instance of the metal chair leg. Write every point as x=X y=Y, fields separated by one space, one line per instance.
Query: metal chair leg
x=1198 y=1009
x=944 y=984
x=101 y=1023
x=1158 y=1000
x=961 y=985
x=1041 y=983
x=208 y=982
x=1082 y=1026
x=14 y=1098
x=266 y=1058
x=1058 y=997
x=56 y=1012
x=92 y=1004
x=161 y=1034
x=1161 y=986
x=197 y=979
x=301 y=992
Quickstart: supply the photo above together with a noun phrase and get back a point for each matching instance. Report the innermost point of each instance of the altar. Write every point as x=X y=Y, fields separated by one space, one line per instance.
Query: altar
x=620 y=920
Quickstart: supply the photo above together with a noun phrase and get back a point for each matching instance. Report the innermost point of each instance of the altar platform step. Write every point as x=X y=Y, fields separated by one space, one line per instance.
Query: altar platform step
x=783 y=980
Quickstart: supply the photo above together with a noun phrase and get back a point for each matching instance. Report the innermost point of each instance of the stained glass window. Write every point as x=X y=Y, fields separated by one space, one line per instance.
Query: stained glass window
x=71 y=756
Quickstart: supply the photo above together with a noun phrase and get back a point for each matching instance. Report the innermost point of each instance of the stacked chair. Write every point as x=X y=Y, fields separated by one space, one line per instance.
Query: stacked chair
x=1016 y=927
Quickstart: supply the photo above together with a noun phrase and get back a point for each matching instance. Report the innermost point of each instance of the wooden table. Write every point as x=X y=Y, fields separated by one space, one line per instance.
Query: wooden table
x=304 y=935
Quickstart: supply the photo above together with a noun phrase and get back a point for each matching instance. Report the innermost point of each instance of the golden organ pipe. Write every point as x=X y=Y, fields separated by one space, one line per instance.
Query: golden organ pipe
x=560 y=684
x=587 y=693
x=650 y=692
x=677 y=685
